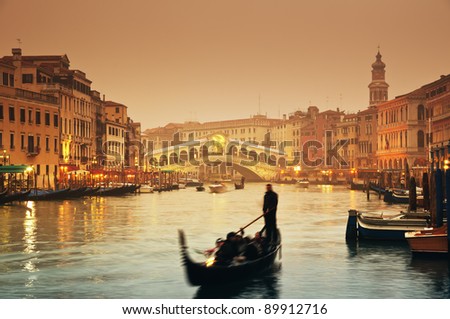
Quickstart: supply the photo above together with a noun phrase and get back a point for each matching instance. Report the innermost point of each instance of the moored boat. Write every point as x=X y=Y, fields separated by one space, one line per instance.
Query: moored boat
x=303 y=183
x=90 y=191
x=146 y=189
x=113 y=191
x=75 y=193
x=192 y=182
x=377 y=188
x=209 y=273
x=200 y=188
x=14 y=197
x=217 y=188
x=428 y=241
x=36 y=195
x=389 y=227
x=394 y=197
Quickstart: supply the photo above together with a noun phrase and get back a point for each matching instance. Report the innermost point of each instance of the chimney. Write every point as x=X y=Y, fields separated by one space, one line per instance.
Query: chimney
x=103 y=97
x=284 y=117
x=17 y=54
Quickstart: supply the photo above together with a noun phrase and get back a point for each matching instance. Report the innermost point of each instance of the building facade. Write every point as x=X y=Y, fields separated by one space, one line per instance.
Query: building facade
x=29 y=127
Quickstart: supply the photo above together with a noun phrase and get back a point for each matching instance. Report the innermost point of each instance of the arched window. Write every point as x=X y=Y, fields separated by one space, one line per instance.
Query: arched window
x=420 y=139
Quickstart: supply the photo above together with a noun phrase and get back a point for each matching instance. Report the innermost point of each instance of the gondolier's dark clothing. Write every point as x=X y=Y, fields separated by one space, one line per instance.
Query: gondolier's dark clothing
x=270 y=219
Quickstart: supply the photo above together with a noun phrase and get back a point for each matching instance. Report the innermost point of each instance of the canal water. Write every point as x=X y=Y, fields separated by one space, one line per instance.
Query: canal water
x=128 y=247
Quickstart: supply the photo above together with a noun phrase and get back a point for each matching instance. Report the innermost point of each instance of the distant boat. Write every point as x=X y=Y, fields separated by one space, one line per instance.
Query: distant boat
x=146 y=189
x=192 y=182
x=239 y=186
x=394 y=227
x=428 y=241
x=217 y=188
x=303 y=183
x=200 y=188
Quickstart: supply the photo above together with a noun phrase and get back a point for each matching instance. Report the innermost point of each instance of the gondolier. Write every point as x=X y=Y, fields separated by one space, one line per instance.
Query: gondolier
x=270 y=211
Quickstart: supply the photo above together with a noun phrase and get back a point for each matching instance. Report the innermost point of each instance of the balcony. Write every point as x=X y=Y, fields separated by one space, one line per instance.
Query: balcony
x=33 y=151
x=36 y=96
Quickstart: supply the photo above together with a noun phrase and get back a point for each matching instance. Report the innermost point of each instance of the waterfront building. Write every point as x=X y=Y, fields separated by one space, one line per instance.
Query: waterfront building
x=401 y=131
x=347 y=131
x=437 y=95
x=367 y=139
x=116 y=126
x=51 y=75
x=29 y=124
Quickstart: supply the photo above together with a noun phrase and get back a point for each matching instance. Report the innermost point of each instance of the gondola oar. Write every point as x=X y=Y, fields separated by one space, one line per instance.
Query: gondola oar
x=253 y=221
x=241 y=230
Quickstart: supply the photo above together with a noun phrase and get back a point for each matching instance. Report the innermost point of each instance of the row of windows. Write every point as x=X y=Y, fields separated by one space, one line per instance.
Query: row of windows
x=80 y=87
x=115 y=131
x=23 y=117
x=29 y=143
x=437 y=91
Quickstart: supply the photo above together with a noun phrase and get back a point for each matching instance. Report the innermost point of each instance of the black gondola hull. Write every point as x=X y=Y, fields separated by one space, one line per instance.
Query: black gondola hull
x=198 y=274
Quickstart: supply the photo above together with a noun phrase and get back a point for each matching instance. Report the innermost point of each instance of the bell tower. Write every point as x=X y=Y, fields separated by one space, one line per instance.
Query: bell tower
x=378 y=88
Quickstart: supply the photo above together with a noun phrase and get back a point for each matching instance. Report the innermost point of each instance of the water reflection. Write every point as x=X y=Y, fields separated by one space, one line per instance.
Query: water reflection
x=266 y=287
x=127 y=247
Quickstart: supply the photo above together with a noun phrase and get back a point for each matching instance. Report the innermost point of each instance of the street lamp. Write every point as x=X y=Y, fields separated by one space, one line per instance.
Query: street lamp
x=6 y=158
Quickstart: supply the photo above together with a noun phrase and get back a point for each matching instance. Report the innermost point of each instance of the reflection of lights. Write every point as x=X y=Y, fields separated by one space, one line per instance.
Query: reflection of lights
x=29 y=237
x=210 y=261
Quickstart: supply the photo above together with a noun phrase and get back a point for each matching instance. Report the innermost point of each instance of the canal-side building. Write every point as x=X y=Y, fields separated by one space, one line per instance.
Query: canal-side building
x=437 y=95
x=367 y=139
x=401 y=132
x=51 y=75
x=116 y=128
x=29 y=126
x=347 y=131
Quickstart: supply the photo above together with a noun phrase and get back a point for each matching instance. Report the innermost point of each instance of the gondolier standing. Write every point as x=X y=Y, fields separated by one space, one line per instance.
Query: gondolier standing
x=270 y=211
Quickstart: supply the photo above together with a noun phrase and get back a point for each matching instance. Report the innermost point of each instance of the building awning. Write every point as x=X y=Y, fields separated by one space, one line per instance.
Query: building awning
x=14 y=168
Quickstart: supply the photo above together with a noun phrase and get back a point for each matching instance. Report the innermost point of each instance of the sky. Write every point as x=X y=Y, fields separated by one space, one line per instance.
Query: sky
x=203 y=60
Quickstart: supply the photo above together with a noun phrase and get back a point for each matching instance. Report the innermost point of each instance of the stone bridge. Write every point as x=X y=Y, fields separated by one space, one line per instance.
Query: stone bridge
x=218 y=154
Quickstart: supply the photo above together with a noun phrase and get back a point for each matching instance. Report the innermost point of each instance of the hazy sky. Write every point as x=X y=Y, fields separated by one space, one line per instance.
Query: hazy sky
x=177 y=60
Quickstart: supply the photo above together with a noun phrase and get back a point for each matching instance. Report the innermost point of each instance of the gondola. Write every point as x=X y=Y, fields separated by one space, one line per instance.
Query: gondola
x=36 y=195
x=113 y=191
x=90 y=191
x=14 y=197
x=206 y=274
x=200 y=188
x=3 y=193
x=238 y=186
x=376 y=188
x=75 y=193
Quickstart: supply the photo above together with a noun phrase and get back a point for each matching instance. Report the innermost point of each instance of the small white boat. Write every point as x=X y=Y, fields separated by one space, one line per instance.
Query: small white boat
x=217 y=188
x=146 y=189
x=181 y=186
x=303 y=183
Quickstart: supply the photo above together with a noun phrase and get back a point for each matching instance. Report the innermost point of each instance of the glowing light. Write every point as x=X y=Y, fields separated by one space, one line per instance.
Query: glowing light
x=29 y=169
x=210 y=261
x=297 y=168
